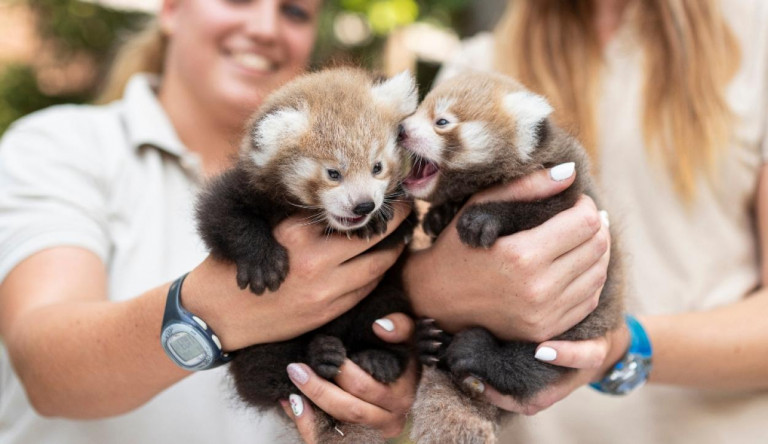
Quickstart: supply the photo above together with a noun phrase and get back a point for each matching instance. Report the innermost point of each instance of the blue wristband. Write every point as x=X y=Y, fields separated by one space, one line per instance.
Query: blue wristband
x=633 y=368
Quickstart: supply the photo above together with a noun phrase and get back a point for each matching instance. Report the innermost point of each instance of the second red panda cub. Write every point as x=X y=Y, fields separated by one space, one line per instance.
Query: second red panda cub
x=470 y=132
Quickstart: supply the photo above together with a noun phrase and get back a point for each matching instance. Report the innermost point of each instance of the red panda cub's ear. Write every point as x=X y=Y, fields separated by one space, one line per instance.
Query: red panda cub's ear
x=397 y=93
x=276 y=129
x=528 y=111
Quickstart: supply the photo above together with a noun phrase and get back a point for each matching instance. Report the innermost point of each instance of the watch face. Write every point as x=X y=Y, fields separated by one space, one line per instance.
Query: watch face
x=186 y=347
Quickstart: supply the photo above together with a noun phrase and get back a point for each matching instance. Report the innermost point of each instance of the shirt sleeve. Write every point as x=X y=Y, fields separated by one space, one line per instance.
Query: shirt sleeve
x=50 y=190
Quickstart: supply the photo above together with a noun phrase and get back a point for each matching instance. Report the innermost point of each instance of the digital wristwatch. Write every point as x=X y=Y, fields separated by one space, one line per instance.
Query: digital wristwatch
x=633 y=368
x=187 y=339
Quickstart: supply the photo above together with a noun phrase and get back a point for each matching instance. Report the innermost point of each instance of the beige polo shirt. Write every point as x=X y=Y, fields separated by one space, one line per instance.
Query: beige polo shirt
x=117 y=181
x=678 y=261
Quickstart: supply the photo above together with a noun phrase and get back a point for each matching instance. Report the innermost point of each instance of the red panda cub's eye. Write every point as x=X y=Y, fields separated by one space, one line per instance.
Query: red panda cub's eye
x=334 y=175
x=377 y=168
x=442 y=122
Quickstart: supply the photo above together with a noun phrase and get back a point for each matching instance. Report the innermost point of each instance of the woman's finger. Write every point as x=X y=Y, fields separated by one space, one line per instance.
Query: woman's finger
x=394 y=328
x=588 y=354
x=396 y=397
x=571 y=265
x=298 y=409
x=335 y=401
x=542 y=400
x=537 y=185
x=296 y=234
x=365 y=267
x=494 y=397
x=567 y=229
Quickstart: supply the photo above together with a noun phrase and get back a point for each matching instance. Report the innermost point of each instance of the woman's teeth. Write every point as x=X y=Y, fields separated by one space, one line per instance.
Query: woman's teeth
x=253 y=61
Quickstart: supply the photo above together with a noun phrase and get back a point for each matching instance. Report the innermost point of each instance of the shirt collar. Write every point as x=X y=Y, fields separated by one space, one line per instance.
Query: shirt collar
x=146 y=120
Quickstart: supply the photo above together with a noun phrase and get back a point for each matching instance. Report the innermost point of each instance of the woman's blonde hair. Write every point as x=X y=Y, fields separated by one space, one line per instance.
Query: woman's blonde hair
x=144 y=52
x=690 y=55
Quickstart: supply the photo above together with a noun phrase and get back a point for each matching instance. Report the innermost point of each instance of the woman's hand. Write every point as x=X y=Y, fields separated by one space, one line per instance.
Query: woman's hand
x=329 y=274
x=358 y=398
x=592 y=359
x=531 y=285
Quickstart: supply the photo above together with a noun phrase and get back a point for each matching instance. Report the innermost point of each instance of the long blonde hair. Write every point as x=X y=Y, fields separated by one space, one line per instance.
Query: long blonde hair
x=144 y=52
x=690 y=55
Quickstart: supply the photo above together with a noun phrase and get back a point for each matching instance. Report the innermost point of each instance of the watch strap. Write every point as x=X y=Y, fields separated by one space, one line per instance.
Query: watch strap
x=633 y=368
x=175 y=312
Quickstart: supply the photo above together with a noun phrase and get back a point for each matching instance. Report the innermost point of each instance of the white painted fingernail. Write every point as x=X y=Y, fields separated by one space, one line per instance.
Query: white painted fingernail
x=546 y=354
x=297 y=405
x=474 y=384
x=297 y=374
x=386 y=324
x=563 y=171
x=604 y=218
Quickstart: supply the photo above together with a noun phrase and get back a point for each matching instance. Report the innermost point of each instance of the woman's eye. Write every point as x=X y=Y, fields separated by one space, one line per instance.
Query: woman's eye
x=334 y=174
x=377 y=168
x=296 y=13
x=441 y=122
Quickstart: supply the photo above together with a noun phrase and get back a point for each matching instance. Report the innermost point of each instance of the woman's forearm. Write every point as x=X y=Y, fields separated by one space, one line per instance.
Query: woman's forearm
x=91 y=359
x=724 y=348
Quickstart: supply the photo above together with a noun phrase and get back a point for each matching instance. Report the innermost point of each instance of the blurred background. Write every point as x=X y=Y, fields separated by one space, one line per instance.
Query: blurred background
x=58 y=51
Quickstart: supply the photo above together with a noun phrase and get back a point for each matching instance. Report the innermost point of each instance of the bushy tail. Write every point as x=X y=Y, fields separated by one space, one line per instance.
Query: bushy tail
x=443 y=414
x=329 y=431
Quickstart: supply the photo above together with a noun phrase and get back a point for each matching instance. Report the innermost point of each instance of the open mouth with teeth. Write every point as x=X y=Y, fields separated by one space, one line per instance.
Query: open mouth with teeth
x=253 y=61
x=423 y=171
x=348 y=222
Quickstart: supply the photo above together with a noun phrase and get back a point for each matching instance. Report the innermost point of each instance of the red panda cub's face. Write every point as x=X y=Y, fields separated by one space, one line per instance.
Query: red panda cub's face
x=470 y=124
x=329 y=140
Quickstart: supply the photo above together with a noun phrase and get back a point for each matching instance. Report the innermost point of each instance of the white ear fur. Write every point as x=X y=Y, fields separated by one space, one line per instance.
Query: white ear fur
x=277 y=129
x=398 y=92
x=529 y=110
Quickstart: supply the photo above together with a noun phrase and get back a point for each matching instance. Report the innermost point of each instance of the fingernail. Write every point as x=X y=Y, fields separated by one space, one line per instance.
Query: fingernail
x=297 y=405
x=297 y=374
x=563 y=171
x=386 y=324
x=546 y=354
x=604 y=218
x=474 y=384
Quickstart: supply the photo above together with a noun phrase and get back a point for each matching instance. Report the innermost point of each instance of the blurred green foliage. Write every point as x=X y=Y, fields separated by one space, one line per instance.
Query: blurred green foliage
x=77 y=27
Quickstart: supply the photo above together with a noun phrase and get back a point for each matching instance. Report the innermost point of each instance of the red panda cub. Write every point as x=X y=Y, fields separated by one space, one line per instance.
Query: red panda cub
x=470 y=132
x=324 y=144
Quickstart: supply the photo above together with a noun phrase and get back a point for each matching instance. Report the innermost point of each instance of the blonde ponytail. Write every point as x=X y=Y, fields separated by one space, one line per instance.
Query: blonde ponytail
x=144 y=52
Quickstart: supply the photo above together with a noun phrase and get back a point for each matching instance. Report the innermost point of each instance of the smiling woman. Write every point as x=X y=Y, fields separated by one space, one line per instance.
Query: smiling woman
x=248 y=49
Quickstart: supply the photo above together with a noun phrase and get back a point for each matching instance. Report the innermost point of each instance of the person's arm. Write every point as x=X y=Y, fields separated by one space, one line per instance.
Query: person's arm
x=80 y=355
x=725 y=348
x=531 y=285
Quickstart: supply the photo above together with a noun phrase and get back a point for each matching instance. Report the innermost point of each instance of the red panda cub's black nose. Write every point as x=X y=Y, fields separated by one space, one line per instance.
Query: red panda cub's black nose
x=364 y=208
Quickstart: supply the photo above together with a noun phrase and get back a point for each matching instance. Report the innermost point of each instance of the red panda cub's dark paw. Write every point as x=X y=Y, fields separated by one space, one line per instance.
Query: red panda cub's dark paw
x=383 y=365
x=478 y=227
x=469 y=352
x=262 y=271
x=438 y=217
x=431 y=342
x=325 y=355
x=377 y=226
